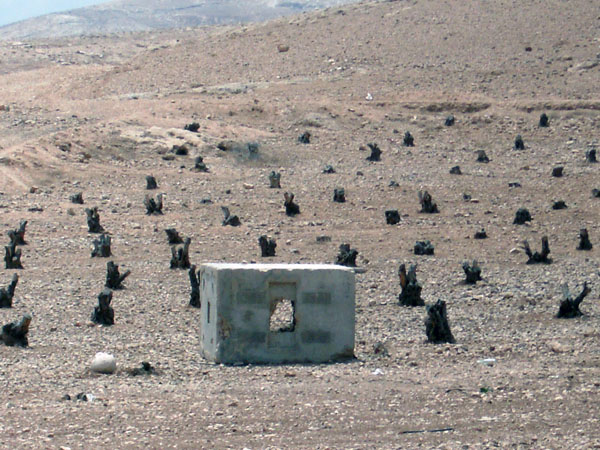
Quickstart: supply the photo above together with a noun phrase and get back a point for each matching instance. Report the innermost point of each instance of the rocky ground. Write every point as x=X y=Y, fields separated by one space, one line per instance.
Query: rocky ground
x=97 y=114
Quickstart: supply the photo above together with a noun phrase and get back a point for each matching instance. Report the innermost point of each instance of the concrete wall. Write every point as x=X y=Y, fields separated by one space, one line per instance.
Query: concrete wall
x=237 y=301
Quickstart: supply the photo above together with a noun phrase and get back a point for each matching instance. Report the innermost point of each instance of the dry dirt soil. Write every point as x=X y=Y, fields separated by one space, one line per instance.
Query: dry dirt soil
x=97 y=114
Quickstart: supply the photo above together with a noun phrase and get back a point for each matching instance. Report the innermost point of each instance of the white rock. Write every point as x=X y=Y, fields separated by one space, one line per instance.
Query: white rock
x=104 y=363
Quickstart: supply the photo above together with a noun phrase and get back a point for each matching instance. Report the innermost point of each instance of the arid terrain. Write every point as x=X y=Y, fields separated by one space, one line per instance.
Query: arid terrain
x=97 y=114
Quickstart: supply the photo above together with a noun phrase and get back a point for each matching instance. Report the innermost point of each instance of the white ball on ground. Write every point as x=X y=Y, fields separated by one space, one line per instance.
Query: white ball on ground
x=104 y=363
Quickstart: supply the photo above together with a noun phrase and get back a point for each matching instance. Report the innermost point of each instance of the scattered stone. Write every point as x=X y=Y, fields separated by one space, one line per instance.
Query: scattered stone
x=291 y=208
x=173 y=236
x=411 y=289
x=569 y=306
x=375 y=153
x=168 y=157
x=584 y=240
x=328 y=169
x=101 y=247
x=151 y=182
x=195 y=285
x=12 y=257
x=323 y=238
x=559 y=204
x=180 y=256
x=77 y=198
x=93 y=220
x=519 y=144
x=543 y=120
x=229 y=219
x=541 y=257
x=282 y=48
x=423 y=248
x=380 y=349
x=393 y=183
x=267 y=246
x=557 y=171
x=449 y=121
x=103 y=314
x=199 y=165
x=437 y=327
x=347 y=256
x=18 y=236
x=392 y=217
x=339 y=195
x=7 y=294
x=15 y=333
x=596 y=193
x=514 y=184
x=482 y=157
x=153 y=206
x=427 y=205
x=467 y=197
x=114 y=279
x=193 y=127
x=481 y=234
x=455 y=170
x=180 y=150
x=409 y=140
x=472 y=272
x=103 y=363
x=145 y=369
x=304 y=138
x=275 y=180
x=521 y=216
x=590 y=156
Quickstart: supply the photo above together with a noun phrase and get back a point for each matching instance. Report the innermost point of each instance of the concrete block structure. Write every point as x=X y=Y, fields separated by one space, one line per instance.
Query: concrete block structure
x=276 y=313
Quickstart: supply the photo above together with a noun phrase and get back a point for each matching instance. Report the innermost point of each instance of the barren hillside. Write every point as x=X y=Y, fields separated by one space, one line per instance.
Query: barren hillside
x=97 y=114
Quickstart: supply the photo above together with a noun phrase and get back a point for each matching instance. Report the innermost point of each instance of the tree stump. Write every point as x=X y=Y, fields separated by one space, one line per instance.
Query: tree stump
x=411 y=289
x=481 y=234
x=392 y=217
x=77 y=198
x=195 y=284
x=173 y=236
x=375 y=153
x=339 y=195
x=455 y=170
x=472 y=272
x=93 y=220
x=12 y=257
x=542 y=256
x=267 y=246
x=103 y=314
x=569 y=306
x=304 y=138
x=15 y=333
x=557 y=171
x=180 y=256
x=347 y=256
x=275 y=180
x=482 y=157
x=229 y=219
x=519 y=144
x=427 y=205
x=559 y=204
x=521 y=216
x=328 y=169
x=154 y=206
x=200 y=165
x=114 y=279
x=409 y=140
x=291 y=208
x=449 y=121
x=543 y=120
x=584 y=240
x=437 y=327
x=18 y=236
x=101 y=247
x=151 y=182
x=423 y=248
x=590 y=156
x=7 y=294
x=193 y=127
